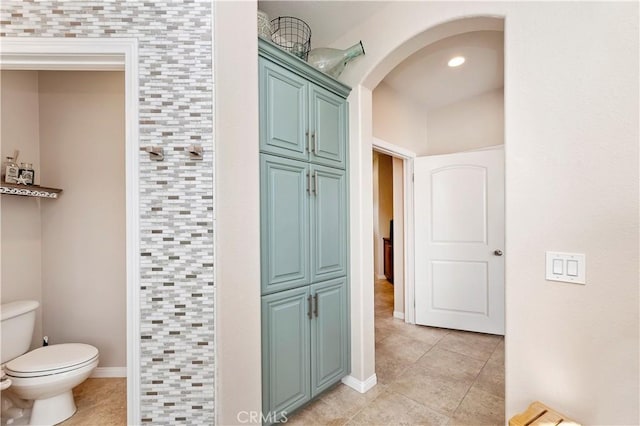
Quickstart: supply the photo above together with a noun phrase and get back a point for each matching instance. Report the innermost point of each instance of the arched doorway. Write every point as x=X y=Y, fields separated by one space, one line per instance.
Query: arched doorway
x=364 y=78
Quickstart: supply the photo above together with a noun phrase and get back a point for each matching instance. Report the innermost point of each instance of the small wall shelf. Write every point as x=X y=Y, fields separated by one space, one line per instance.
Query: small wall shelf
x=29 y=190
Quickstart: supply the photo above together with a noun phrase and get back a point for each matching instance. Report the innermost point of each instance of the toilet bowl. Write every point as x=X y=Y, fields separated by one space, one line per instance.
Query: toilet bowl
x=47 y=376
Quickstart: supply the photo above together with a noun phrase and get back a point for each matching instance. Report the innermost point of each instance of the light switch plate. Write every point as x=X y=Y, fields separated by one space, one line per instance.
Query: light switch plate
x=572 y=270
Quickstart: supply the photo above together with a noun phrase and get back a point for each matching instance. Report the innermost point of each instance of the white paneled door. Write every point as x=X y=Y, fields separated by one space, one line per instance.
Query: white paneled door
x=459 y=241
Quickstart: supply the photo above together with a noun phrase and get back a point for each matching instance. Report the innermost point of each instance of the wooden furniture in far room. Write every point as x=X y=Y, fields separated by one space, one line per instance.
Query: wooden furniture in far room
x=388 y=259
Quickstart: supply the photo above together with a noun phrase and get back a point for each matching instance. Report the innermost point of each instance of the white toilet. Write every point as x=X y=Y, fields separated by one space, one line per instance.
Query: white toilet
x=44 y=376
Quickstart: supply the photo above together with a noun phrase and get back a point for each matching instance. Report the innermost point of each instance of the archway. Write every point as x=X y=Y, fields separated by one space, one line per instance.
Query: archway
x=364 y=78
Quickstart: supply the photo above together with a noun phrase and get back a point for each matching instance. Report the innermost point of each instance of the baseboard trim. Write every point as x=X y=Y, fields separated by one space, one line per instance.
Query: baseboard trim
x=104 y=372
x=360 y=386
x=399 y=315
x=382 y=277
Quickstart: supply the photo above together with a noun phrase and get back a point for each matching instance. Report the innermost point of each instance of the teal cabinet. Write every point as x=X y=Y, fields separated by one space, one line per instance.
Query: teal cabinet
x=328 y=223
x=329 y=334
x=304 y=344
x=286 y=357
x=284 y=227
x=300 y=119
x=283 y=111
x=328 y=127
x=303 y=215
x=304 y=231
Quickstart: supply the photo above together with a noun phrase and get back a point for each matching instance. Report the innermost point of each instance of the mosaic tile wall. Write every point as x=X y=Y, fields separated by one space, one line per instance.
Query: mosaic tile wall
x=176 y=195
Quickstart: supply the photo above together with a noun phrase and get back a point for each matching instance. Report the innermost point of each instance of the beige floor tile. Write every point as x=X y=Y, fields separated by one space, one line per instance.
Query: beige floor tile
x=491 y=379
x=389 y=365
x=497 y=357
x=451 y=363
x=316 y=413
x=335 y=407
x=475 y=345
x=382 y=333
x=406 y=349
x=480 y=408
x=348 y=402
x=430 y=335
x=433 y=389
x=393 y=409
x=388 y=321
x=100 y=402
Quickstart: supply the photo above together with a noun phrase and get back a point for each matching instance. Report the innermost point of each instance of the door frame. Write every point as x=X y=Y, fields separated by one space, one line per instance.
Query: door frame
x=407 y=157
x=101 y=54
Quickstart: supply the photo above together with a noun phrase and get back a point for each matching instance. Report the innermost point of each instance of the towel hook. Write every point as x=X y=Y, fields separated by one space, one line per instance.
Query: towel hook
x=196 y=152
x=156 y=153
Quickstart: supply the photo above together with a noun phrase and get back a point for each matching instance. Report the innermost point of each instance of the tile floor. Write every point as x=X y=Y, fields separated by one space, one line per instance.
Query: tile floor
x=100 y=402
x=426 y=376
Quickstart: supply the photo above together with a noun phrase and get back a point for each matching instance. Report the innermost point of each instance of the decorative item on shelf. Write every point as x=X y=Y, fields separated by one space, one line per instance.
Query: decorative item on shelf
x=23 y=180
x=264 y=25
x=292 y=34
x=332 y=61
x=26 y=174
x=10 y=170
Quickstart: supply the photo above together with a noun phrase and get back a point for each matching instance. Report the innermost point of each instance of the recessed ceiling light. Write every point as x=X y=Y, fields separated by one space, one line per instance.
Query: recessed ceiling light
x=456 y=62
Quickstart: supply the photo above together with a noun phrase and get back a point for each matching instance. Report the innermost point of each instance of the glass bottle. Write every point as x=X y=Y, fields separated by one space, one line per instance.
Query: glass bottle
x=333 y=61
x=26 y=174
x=10 y=171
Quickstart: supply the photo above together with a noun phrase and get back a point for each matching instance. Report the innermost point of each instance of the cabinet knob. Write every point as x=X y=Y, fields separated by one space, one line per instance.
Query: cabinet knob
x=497 y=252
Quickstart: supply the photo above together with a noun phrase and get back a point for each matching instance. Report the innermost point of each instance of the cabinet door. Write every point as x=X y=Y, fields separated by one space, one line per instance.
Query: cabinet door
x=328 y=127
x=329 y=334
x=283 y=111
x=284 y=223
x=285 y=350
x=328 y=223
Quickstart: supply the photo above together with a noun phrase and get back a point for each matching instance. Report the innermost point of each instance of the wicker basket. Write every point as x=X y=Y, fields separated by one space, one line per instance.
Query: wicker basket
x=292 y=34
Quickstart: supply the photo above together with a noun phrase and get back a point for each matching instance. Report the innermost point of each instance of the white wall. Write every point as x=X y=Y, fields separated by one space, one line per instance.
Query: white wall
x=572 y=185
x=83 y=231
x=20 y=216
x=469 y=124
x=237 y=212
x=571 y=145
x=398 y=120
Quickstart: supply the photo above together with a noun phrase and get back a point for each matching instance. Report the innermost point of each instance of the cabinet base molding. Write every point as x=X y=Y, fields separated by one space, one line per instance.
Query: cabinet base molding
x=359 y=385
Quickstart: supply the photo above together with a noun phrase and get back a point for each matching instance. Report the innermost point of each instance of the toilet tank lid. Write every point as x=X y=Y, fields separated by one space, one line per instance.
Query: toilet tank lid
x=13 y=309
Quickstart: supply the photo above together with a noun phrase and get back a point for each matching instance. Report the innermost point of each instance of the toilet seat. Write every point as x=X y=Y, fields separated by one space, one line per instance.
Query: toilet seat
x=53 y=359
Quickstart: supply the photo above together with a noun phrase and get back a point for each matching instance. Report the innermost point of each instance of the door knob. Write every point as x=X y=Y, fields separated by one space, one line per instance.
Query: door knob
x=497 y=252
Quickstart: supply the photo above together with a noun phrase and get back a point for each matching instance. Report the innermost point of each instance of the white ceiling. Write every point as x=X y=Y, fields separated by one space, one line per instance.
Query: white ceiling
x=424 y=77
